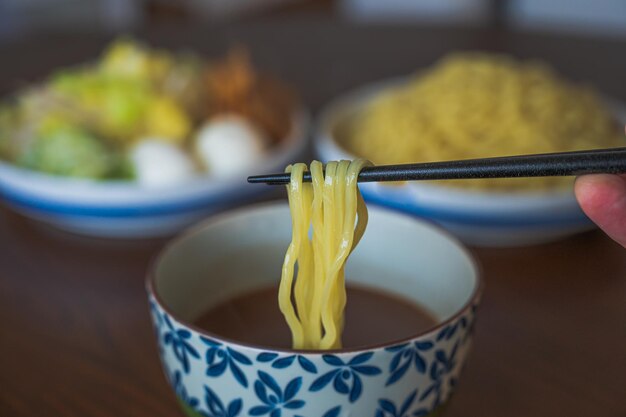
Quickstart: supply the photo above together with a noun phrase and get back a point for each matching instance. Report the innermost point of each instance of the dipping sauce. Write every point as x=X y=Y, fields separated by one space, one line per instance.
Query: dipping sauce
x=372 y=317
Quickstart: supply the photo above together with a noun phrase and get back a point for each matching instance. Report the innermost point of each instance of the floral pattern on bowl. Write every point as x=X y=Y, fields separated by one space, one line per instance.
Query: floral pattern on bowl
x=221 y=379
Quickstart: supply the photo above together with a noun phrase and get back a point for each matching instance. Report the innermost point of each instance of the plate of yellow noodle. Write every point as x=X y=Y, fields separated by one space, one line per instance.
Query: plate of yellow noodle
x=474 y=105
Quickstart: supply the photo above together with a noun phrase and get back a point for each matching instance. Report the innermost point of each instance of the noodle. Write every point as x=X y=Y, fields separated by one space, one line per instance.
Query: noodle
x=474 y=105
x=312 y=297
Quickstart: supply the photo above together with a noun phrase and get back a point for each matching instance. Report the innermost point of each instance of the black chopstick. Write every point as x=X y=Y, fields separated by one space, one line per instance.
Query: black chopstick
x=611 y=161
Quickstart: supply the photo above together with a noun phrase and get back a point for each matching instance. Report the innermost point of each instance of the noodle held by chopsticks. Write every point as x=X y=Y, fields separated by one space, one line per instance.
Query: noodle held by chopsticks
x=332 y=206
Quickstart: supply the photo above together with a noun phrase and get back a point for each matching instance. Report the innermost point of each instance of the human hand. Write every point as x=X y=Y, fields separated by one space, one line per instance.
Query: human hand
x=603 y=198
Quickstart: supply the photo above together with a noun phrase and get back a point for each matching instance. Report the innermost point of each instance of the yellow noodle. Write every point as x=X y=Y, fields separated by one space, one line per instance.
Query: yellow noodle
x=284 y=291
x=473 y=105
x=317 y=221
x=313 y=302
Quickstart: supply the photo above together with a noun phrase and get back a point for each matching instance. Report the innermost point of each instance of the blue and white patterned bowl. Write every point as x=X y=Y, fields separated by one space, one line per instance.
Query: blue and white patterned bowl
x=482 y=218
x=124 y=209
x=240 y=251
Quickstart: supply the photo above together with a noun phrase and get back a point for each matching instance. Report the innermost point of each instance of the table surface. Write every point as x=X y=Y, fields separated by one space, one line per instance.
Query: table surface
x=76 y=339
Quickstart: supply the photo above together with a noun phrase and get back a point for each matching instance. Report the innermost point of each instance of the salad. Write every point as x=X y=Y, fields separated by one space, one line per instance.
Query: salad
x=147 y=115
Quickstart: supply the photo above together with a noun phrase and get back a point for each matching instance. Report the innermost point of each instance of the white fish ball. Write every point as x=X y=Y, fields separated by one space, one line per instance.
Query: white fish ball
x=158 y=163
x=229 y=145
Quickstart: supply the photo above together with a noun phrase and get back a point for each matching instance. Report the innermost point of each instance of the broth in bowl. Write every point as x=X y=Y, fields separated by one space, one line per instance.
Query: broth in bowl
x=372 y=317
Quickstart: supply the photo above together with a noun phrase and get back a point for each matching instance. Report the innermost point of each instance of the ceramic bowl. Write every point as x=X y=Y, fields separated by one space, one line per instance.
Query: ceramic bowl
x=483 y=218
x=123 y=209
x=236 y=252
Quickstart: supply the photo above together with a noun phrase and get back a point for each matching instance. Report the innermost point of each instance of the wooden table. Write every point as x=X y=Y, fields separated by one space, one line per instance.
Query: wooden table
x=75 y=336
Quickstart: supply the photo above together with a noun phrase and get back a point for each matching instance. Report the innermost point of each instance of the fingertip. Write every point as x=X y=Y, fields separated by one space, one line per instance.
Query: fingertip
x=589 y=189
x=603 y=199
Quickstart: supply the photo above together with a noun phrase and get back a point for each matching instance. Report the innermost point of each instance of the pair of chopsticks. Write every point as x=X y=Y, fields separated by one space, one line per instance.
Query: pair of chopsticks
x=610 y=161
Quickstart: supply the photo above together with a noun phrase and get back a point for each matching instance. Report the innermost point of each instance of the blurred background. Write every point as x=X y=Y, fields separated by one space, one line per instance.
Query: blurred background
x=75 y=306
x=605 y=18
x=299 y=55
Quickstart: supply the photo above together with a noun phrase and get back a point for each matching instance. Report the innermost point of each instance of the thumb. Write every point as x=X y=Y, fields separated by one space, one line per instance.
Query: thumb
x=603 y=198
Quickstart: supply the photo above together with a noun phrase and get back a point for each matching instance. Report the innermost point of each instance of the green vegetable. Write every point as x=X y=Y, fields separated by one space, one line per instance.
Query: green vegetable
x=114 y=106
x=7 y=117
x=120 y=107
x=83 y=120
x=70 y=151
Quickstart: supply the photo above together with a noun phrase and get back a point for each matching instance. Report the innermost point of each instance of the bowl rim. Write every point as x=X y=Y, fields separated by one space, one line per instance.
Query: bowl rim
x=354 y=100
x=472 y=300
